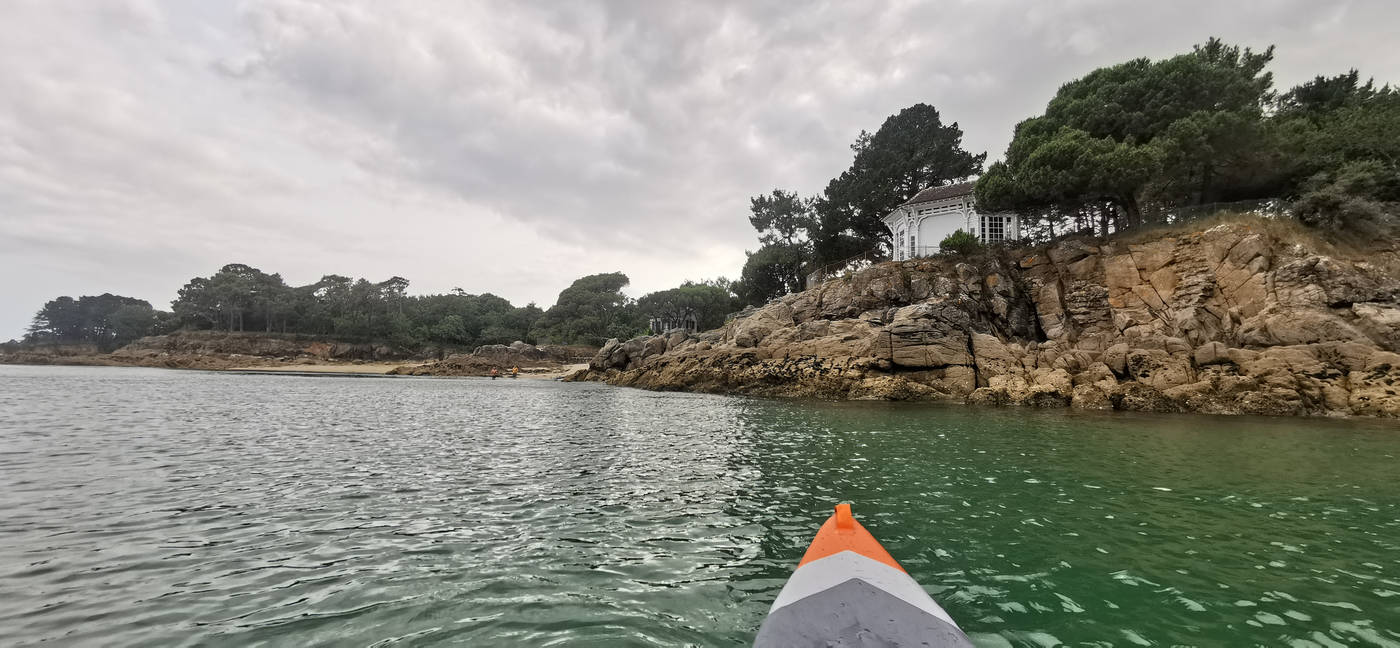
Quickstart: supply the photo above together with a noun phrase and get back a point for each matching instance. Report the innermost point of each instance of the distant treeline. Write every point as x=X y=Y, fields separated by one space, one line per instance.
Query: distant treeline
x=242 y=298
x=1122 y=147
x=107 y=321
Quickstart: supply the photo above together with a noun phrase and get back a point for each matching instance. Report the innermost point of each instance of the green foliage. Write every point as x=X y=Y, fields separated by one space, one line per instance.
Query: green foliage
x=243 y=298
x=911 y=151
x=1348 y=199
x=1323 y=95
x=959 y=242
x=1141 y=99
x=1187 y=129
x=234 y=297
x=773 y=271
x=782 y=217
x=131 y=321
x=1198 y=128
x=106 y=320
x=1330 y=122
x=709 y=302
x=165 y=322
x=590 y=311
x=786 y=224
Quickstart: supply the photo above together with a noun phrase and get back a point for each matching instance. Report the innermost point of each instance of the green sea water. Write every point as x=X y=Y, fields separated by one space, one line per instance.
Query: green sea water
x=164 y=508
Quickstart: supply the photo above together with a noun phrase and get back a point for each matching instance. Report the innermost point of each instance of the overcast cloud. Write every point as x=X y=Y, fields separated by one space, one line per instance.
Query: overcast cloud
x=512 y=147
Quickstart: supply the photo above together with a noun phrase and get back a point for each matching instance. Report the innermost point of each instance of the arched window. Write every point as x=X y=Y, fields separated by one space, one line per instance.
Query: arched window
x=899 y=245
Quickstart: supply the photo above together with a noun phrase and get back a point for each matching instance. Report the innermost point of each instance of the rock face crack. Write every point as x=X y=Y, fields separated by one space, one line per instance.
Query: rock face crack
x=1137 y=267
x=972 y=360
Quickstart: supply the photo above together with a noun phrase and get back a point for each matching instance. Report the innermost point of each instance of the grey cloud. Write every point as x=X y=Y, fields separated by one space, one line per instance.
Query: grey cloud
x=510 y=147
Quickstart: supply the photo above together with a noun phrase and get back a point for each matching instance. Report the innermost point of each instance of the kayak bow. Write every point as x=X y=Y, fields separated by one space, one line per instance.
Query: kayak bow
x=849 y=591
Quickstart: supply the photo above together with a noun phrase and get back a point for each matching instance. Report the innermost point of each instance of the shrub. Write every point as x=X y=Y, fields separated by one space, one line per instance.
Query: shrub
x=960 y=242
x=1347 y=198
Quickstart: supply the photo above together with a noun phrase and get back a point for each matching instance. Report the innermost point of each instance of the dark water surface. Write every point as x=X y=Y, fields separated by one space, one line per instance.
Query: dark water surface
x=150 y=507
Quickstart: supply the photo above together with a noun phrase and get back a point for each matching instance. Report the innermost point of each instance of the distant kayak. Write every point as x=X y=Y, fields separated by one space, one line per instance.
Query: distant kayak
x=849 y=591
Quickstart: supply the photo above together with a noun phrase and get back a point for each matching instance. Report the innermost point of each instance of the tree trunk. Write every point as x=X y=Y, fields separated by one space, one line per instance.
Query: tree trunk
x=1132 y=211
x=1205 y=184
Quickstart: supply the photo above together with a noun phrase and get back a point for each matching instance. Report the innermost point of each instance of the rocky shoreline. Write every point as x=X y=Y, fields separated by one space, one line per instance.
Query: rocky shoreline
x=259 y=352
x=1249 y=316
x=540 y=361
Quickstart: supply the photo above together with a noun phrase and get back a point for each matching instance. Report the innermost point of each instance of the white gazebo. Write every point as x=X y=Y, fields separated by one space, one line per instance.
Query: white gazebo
x=920 y=224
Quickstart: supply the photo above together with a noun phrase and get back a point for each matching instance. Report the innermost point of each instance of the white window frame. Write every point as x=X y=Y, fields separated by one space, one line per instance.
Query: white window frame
x=993 y=228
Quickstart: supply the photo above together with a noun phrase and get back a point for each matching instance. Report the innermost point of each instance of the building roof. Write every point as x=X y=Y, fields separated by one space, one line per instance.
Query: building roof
x=942 y=191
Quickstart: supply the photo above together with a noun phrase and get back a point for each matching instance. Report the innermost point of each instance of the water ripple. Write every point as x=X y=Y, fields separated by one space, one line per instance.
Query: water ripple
x=148 y=507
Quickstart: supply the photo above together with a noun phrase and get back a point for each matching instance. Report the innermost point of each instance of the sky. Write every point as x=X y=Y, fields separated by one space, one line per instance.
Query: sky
x=512 y=147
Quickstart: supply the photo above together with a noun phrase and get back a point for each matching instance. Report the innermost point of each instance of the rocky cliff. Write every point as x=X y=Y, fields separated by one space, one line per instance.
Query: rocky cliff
x=1247 y=316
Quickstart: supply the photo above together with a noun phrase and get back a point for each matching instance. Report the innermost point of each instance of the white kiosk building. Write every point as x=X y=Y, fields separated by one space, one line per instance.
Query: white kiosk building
x=920 y=224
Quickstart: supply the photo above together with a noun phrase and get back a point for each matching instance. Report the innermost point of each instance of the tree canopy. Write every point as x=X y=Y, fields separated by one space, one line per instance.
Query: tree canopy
x=783 y=218
x=785 y=223
x=1330 y=123
x=911 y=151
x=590 y=311
x=709 y=301
x=1184 y=129
x=105 y=320
x=242 y=298
x=1127 y=142
x=772 y=271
